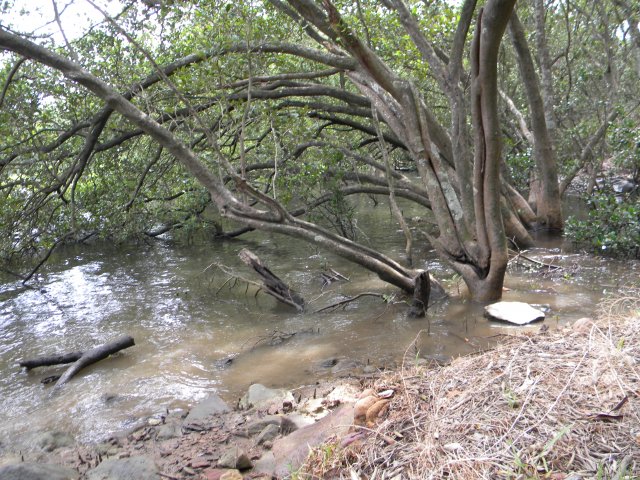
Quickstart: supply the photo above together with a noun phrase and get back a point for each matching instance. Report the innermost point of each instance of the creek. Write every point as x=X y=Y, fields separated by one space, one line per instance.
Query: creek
x=186 y=319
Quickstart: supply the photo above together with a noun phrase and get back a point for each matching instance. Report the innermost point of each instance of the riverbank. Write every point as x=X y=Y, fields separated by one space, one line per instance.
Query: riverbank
x=560 y=403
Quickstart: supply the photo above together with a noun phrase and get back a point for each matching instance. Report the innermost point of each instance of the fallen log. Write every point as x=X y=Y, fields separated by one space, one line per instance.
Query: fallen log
x=51 y=360
x=270 y=281
x=92 y=356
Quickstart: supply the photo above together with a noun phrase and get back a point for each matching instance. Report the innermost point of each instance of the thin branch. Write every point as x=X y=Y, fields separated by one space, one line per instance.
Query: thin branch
x=12 y=72
x=346 y=301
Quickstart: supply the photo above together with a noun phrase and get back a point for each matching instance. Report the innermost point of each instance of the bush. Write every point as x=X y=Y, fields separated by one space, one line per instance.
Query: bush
x=611 y=228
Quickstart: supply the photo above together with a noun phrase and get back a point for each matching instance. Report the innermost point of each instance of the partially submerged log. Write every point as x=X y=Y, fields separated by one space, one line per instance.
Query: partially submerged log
x=421 y=294
x=92 y=356
x=270 y=281
x=51 y=360
x=79 y=359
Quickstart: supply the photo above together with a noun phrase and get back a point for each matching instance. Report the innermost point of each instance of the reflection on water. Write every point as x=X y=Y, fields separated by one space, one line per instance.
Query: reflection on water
x=184 y=319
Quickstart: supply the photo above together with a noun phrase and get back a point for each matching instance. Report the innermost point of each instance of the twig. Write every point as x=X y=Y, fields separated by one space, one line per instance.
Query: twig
x=349 y=300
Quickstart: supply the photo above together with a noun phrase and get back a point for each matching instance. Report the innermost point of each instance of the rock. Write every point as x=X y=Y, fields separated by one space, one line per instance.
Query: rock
x=50 y=441
x=232 y=475
x=259 y=396
x=154 y=422
x=266 y=464
x=268 y=433
x=200 y=463
x=519 y=313
x=582 y=325
x=289 y=452
x=234 y=457
x=326 y=364
x=256 y=426
x=169 y=431
x=345 y=367
x=219 y=474
x=36 y=471
x=132 y=468
x=211 y=406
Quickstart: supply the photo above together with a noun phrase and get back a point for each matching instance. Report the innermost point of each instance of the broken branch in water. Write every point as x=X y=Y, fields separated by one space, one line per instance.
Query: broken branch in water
x=79 y=359
x=550 y=267
x=332 y=276
x=277 y=337
x=92 y=356
x=51 y=360
x=346 y=301
x=271 y=283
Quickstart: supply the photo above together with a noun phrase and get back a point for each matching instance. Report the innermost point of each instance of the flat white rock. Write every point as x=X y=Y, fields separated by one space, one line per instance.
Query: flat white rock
x=519 y=313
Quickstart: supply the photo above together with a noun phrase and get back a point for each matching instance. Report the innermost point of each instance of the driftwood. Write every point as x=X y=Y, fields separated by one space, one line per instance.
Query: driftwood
x=92 y=356
x=79 y=359
x=51 y=360
x=270 y=281
x=421 y=294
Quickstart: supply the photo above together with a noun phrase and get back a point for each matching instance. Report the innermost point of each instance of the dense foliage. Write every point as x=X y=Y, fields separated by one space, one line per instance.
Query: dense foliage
x=298 y=130
x=612 y=226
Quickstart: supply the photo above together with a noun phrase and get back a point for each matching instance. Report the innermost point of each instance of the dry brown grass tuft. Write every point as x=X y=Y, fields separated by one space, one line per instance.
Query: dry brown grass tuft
x=554 y=405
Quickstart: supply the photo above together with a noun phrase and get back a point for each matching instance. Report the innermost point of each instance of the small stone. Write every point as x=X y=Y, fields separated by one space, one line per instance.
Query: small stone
x=232 y=475
x=345 y=367
x=154 y=422
x=168 y=431
x=268 y=433
x=50 y=441
x=243 y=462
x=582 y=325
x=235 y=458
x=210 y=407
x=259 y=396
x=257 y=426
x=200 y=463
x=214 y=473
x=189 y=471
x=132 y=468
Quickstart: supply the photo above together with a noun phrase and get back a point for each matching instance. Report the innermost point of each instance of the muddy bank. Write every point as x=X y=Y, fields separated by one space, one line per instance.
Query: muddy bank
x=266 y=434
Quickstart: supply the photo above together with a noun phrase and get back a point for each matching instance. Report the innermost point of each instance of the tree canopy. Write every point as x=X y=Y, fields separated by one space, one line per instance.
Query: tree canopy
x=273 y=114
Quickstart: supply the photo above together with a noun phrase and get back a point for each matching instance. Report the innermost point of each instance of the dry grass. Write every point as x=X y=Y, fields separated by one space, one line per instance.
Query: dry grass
x=558 y=405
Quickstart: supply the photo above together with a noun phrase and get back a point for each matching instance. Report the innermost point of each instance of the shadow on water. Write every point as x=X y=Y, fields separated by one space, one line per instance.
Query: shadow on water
x=186 y=318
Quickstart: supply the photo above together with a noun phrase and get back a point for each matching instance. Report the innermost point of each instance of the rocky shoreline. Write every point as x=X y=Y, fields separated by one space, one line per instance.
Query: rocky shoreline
x=268 y=434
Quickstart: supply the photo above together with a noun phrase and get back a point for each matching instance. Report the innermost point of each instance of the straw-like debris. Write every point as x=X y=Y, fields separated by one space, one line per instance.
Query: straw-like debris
x=557 y=405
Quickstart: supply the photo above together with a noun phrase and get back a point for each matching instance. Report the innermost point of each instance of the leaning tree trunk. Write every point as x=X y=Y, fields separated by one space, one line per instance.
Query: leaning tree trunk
x=548 y=204
x=273 y=218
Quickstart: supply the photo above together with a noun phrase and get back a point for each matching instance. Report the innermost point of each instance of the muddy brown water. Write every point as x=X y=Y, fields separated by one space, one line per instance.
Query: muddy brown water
x=185 y=319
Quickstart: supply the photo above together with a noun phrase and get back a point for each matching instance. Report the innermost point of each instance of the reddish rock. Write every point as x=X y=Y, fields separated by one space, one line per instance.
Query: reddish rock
x=200 y=463
x=217 y=473
x=289 y=452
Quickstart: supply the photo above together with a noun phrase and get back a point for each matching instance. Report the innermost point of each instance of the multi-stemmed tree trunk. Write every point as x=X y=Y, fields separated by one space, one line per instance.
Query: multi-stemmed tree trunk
x=464 y=189
x=465 y=197
x=545 y=186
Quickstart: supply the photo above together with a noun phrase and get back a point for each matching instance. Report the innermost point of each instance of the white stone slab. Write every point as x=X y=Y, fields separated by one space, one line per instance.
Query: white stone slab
x=519 y=313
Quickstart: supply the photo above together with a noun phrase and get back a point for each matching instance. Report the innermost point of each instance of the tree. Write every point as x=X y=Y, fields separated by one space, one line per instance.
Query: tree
x=175 y=107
